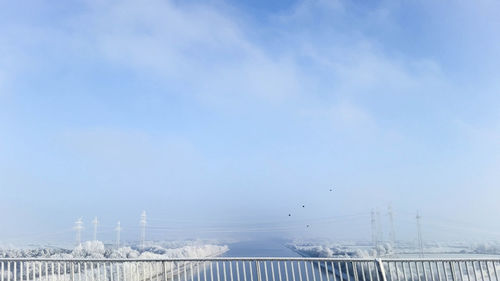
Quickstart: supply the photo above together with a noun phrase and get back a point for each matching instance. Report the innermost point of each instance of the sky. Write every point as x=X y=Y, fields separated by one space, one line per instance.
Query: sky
x=224 y=117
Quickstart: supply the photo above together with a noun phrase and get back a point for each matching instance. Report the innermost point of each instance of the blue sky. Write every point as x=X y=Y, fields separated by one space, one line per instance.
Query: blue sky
x=221 y=112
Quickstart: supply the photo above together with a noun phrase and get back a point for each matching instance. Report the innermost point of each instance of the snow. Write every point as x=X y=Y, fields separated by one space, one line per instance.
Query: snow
x=97 y=250
x=397 y=250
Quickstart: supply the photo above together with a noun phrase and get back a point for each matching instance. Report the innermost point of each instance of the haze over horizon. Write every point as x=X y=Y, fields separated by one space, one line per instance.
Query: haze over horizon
x=222 y=116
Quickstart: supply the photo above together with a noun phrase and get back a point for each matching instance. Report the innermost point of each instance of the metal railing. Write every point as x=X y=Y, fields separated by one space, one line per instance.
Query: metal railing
x=249 y=269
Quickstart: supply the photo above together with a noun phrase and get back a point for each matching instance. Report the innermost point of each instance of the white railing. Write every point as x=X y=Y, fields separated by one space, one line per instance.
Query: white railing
x=249 y=269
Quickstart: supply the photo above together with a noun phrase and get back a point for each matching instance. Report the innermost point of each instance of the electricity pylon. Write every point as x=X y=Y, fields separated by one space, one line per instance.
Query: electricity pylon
x=78 y=228
x=143 y=229
x=118 y=230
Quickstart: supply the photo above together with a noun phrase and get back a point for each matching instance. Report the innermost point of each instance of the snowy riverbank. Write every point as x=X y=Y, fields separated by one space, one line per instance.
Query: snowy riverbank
x=97 y=249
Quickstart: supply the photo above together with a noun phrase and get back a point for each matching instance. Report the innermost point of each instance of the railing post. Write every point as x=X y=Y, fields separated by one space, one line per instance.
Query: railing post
x=381 y=270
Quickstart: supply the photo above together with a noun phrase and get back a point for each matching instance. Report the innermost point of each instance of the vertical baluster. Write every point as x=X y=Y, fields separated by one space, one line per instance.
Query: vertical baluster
x=251 y=270
x=185 y=272
x=191 y=269
x=354 y=271
x=393 y=270
x=211 y=273
x=467 y=271
x=21 y=265
x=445 y=271
x=433 y=277
x=488 y=270
x=461 y=271
x=362 y=264
x=474 y=268
x=299 y=271
x=198 y=271
x=307 y=271
x=293 y=270
x=279 y=271
x=425 y=271
x=405 y=276
x=65 y=271
x=333 y=271
x=237 y=271
x=92 y=277
x=453 y=271
x=204 y=272
x=172 y=267
x=231 y=270
x=418 y=271
x=438 y=271
x=312 y=271
x=217 y=268
x=272 y=270
x=389 y=272
x=370 y=274
x=14 y=270
x=496 y=271
x=265 y=270
x=340 y=272
x=411 y=271
x=347 y=271
x=319 y=271
x=85 y=264
x=399 y=272
x=105 y=271
x=481 y=268
x=224 y=270
x=326 y=271
x=244 y=271
x=286 y=270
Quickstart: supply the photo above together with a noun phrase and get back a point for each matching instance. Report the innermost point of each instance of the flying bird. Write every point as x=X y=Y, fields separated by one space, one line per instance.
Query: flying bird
x=303 y=206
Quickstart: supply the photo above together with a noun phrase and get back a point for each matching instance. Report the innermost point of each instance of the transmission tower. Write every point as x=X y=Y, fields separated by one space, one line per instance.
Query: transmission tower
x=374 y=229
x=95 y=222
x=78 y=229
x=391 y=221
x=380 y=232
x=118 y=230
x=143 y=229
x=419 y=236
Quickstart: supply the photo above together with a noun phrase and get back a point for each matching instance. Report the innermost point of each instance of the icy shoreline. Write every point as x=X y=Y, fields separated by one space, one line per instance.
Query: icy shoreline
x=97 y=250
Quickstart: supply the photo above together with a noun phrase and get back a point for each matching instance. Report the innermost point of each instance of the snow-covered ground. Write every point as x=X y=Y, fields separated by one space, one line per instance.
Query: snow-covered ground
x=97 y=249
x=397 y=250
